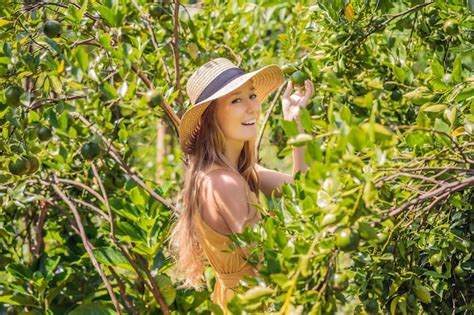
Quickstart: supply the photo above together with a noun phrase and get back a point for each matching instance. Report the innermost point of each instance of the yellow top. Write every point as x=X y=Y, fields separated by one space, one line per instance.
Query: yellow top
x=229 y=265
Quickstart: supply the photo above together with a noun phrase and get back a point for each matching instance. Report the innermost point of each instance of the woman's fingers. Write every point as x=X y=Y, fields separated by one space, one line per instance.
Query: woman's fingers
x=309 y=89
x=289 y=87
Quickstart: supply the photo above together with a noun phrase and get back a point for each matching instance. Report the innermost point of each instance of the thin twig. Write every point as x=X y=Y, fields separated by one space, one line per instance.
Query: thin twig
x=106 y=199
x=174 y=45
x=116 y=156
x=447 y=188
x=265 y=120
x=87 y=246
x=123 y=292
x=175 y=120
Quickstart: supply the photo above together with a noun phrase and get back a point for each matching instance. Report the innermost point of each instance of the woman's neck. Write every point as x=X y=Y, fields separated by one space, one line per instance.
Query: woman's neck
x=232 y=153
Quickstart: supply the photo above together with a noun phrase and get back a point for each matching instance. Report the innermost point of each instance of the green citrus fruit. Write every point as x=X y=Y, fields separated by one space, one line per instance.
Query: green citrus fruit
x=436 y=260
x=20 y=167
x=347 y=240
x=90 y=150
x=340 y=282
x=298 y=77
x=381 y=237
x=34 y=164
x=451 y=27
x=459 y=271
x=13 y=94
x=371 y=306
x=154 y=99
x=367 y=232
x=44 y=133
x=52 y=29
x=396 y=95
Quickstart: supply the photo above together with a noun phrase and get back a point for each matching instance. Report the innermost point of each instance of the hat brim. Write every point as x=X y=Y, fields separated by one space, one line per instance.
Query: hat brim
x=265 y=80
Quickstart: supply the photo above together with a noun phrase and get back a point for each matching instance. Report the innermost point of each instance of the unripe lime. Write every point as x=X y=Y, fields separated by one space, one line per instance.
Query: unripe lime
x=436 y=260
x=13 y=94
x=44 y=133
x=154 y=99
x=347 y=240
x=52 y=29
x=451 y=27
x=90 y=150
x=34 y=164
x=396 y=95
x=371 y=306
x=459 y=271
x=20 y=167
x=298 y=77
x=340 y=282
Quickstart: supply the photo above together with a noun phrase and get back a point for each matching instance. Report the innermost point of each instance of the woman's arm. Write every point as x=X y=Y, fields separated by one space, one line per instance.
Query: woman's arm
x=270 y=180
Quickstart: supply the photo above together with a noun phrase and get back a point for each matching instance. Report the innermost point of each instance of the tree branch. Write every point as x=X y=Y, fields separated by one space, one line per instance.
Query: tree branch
x=106 y=199
x=87 y=246
x=116 y=156
x=265 y=120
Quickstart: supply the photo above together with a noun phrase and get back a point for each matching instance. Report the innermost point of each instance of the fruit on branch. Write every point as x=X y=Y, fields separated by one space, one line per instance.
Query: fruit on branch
x=20 y=167
x=13 y=94
x=451 y=27
x=90 y=150
x=347 y=240
x=52 y=29
x=396 y=95
x=34 y=164
x=298 y=78
x=44 y=133
x=339 y=282
x=154 y=99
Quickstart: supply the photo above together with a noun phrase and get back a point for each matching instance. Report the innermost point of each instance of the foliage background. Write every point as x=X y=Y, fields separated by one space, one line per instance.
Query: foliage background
x=391 y=155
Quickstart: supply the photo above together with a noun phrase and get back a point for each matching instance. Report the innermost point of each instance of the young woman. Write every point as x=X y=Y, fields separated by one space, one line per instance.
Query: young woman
x=222 y=180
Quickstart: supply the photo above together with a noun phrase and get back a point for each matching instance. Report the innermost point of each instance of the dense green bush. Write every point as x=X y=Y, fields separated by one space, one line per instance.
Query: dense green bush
x=381 y=223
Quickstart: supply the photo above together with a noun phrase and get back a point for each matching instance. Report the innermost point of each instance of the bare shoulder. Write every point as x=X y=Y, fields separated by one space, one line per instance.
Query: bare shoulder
x=224 y=203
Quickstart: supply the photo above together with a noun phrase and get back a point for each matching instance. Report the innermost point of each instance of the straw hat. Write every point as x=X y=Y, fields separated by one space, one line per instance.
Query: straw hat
x=215 y=79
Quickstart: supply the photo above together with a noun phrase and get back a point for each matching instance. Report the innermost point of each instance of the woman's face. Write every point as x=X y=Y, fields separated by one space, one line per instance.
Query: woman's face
x=237 y=114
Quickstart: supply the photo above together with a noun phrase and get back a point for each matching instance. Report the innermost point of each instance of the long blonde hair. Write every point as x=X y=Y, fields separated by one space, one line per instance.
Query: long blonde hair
x=208 y=149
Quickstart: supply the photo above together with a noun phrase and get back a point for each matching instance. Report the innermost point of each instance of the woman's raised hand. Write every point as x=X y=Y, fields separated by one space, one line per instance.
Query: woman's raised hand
x=293 y=102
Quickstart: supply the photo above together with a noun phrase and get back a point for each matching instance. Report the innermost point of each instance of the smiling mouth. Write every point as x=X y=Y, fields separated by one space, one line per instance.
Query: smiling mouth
x=249 y=123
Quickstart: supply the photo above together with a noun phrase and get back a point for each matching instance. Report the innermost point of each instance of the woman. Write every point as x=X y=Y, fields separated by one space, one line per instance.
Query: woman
x=223 y=180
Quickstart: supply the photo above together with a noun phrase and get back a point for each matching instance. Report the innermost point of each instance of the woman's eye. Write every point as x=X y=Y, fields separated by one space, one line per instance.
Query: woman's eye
x=253 y=96
x=236 y=101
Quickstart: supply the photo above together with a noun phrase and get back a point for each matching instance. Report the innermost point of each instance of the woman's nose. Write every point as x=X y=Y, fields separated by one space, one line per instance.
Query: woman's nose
x=252 y=105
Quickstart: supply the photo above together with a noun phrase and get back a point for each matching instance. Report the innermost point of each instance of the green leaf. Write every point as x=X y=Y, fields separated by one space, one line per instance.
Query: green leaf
x=442 y=126
x=19 y=271
x=17 y=300
x=82 y=58
x=435 y=108
x=166 y=288
x=137 y=195
x=364 y=101
x=437 y=68
x=289 y=127
x=112 y=257
x=108 y=14
x=457 y=69
x=93 y=308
